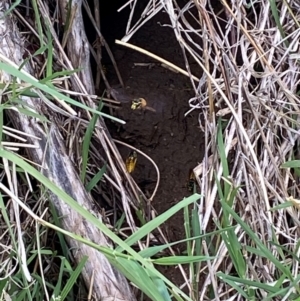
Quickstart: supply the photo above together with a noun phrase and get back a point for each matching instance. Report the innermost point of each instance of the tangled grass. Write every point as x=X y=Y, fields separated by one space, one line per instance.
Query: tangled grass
x=242 y=237
x=248 y=105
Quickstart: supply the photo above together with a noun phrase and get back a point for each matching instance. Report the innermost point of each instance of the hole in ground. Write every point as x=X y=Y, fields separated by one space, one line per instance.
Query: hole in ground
x=173 y=141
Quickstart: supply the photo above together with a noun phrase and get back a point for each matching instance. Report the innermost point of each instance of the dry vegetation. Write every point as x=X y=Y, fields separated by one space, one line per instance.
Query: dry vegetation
x=248 y=105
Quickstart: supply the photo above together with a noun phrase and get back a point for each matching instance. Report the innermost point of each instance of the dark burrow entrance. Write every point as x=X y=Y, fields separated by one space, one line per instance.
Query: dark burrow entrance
x=173 y=141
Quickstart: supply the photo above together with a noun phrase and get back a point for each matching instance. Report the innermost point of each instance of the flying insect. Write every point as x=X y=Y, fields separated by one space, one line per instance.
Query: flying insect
x=130 y=161
x=120 y=95
x=141 y=104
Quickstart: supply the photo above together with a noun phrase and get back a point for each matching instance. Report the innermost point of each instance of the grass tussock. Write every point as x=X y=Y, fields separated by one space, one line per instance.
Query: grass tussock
x=241 y=232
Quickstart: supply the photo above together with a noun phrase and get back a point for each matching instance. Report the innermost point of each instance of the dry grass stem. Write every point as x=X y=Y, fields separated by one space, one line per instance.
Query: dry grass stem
x=247 y=99
x=251 y=74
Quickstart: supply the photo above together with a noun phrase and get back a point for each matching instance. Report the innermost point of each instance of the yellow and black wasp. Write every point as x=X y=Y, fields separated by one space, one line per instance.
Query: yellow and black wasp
x=130 y=161
x=120 y=95
x=191 y=181
x=141 y=104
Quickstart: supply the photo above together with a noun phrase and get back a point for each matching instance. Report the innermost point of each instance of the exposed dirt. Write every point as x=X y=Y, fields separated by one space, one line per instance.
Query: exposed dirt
x=173 y=141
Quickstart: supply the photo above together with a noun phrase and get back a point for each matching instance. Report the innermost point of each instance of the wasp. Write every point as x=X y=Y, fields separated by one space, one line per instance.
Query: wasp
x=141 y=104
x=131 y=161
x=191 y=181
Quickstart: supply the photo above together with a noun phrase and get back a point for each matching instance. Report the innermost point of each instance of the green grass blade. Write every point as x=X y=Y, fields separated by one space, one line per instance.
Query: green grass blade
x=291 y=164
x=151 y=251
x=58 y=285
x=175 y=260
x=135 y=273
x=61 y=238
x=153 y=224
x=161 y=287
x=233 y=284
x=38 y=21
x=94 y=220
x=188 y=235
x=8 y=11
x=49 y=60
x=277 y=20
x=96 y=178
x=44 y=87
x=29 y=113
x=74 y=276
x=258 y=242
x=86 y=142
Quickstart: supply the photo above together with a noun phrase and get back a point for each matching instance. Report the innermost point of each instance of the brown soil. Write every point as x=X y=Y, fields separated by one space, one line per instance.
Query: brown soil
x=173 y=141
